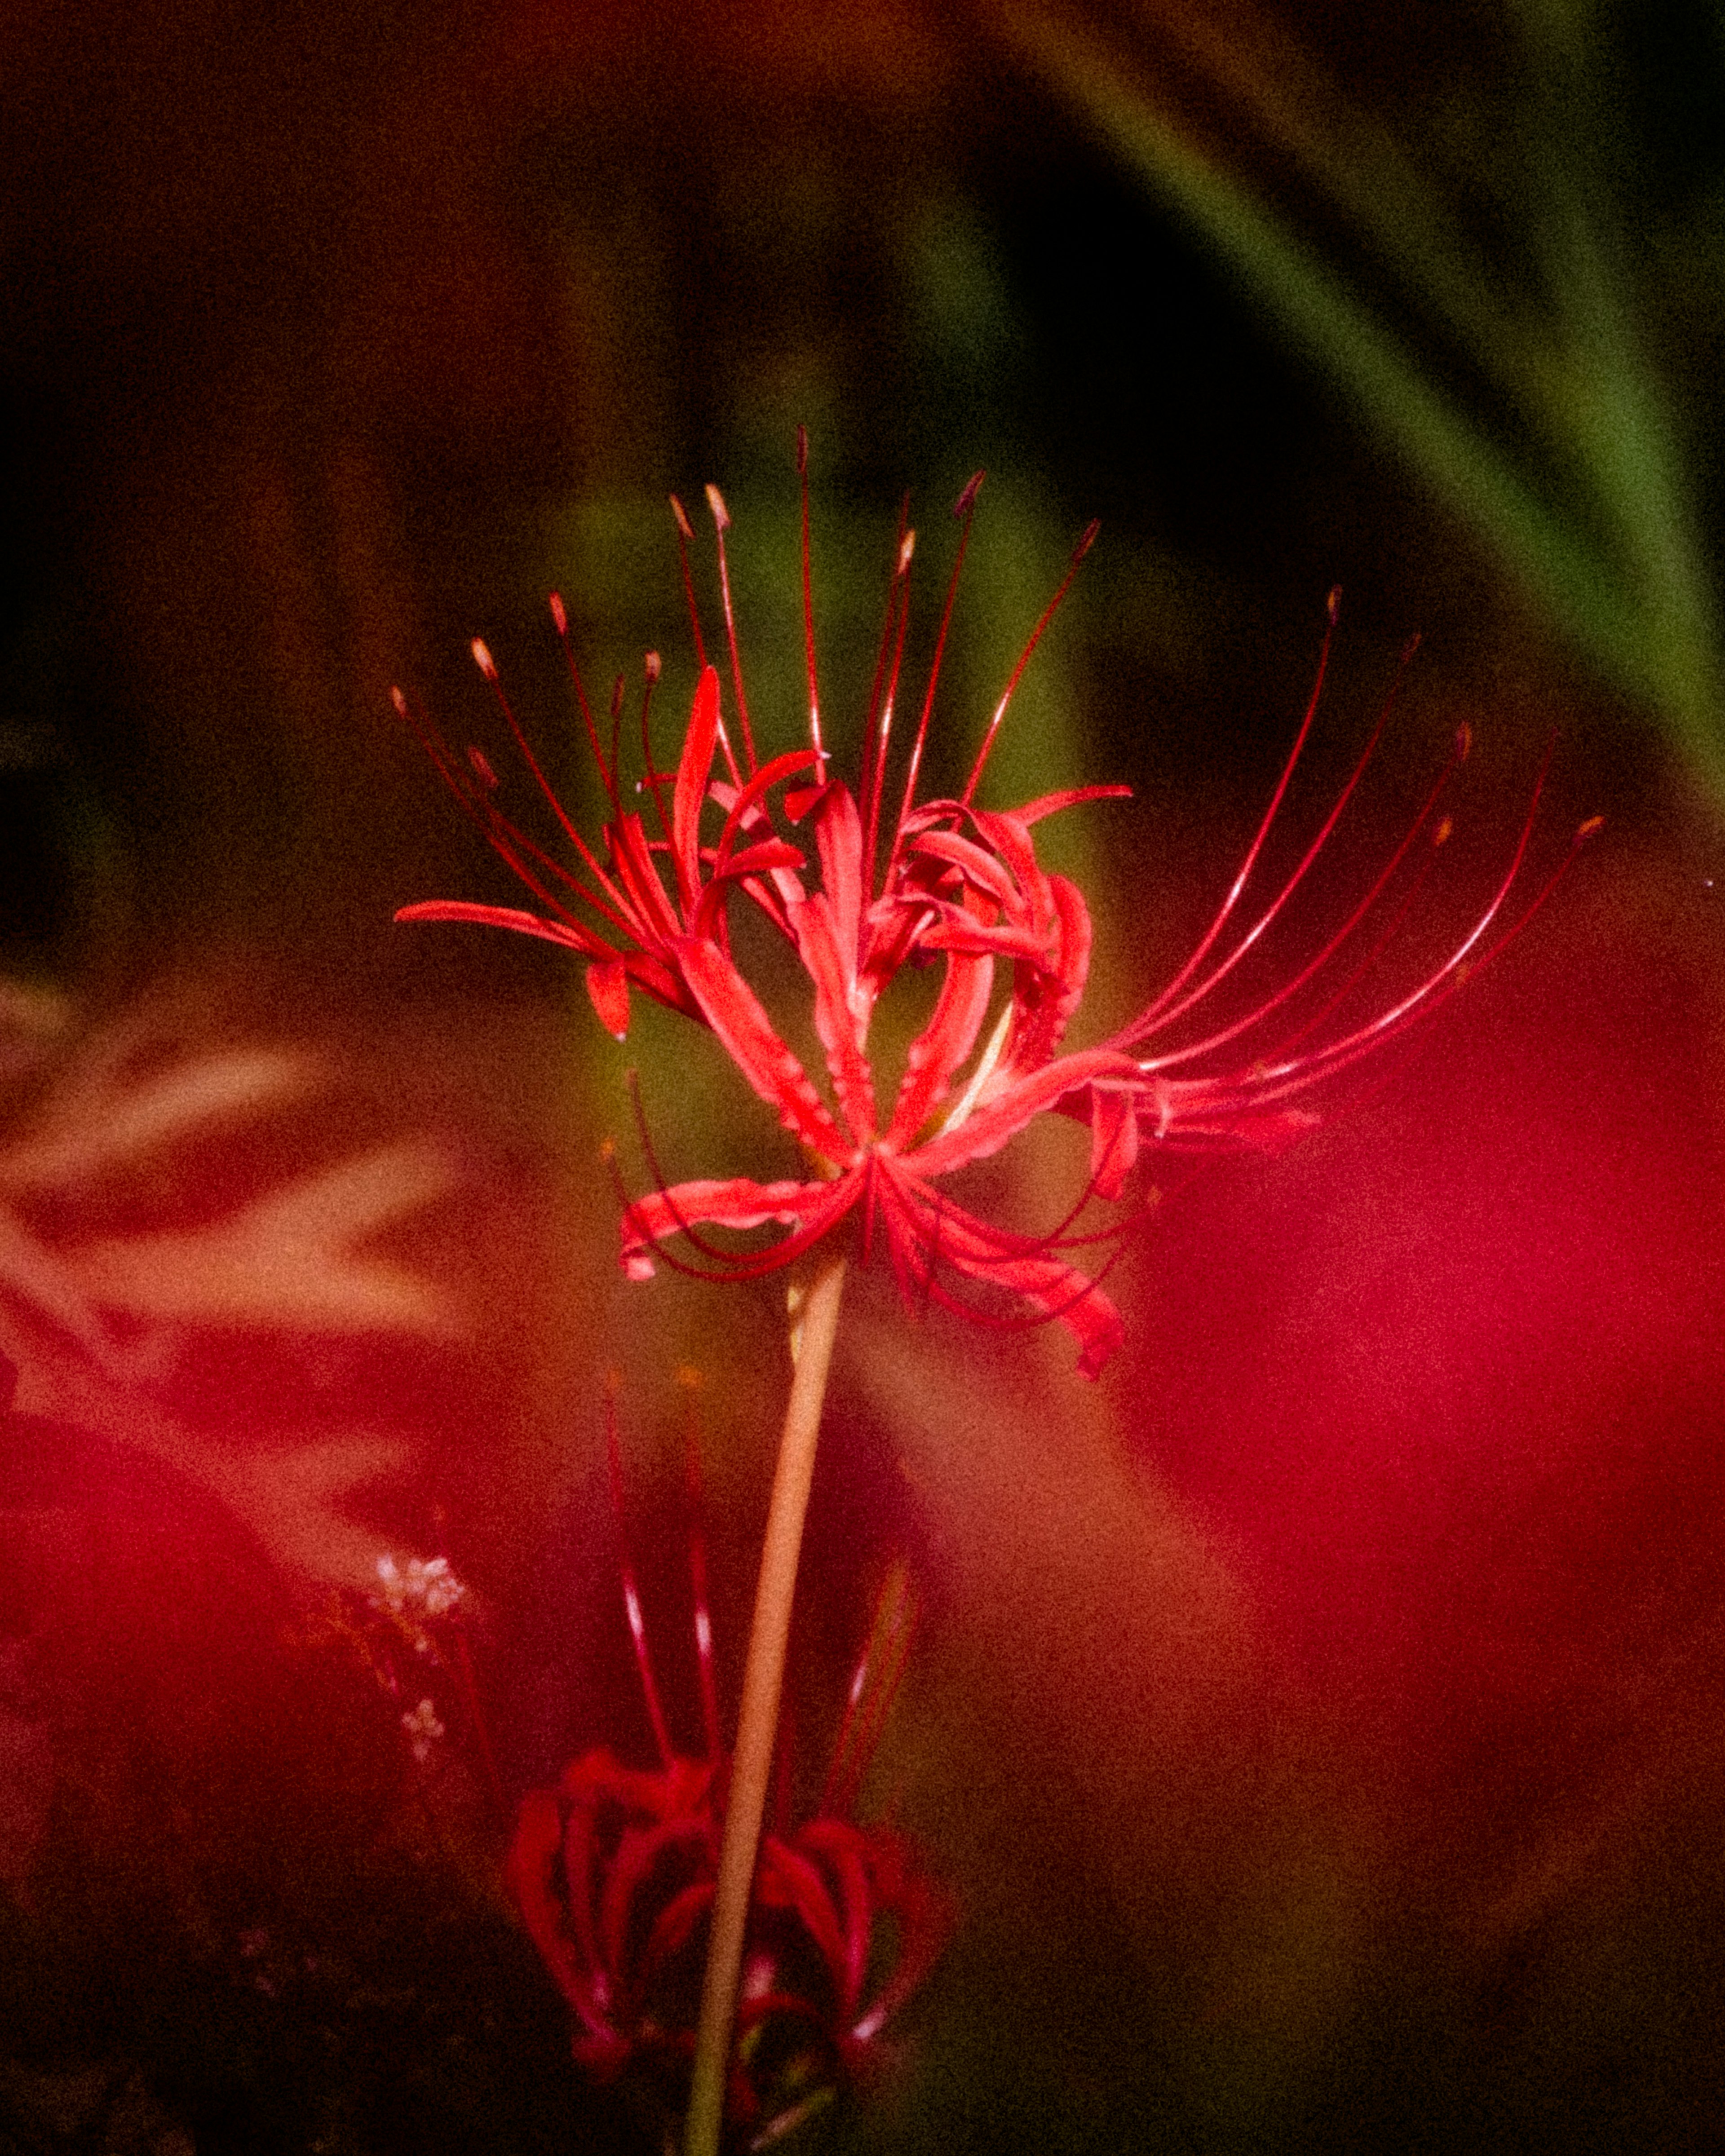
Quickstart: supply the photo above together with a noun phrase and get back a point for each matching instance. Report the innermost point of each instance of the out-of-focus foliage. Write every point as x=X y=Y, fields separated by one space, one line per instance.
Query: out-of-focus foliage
x=1509 y=264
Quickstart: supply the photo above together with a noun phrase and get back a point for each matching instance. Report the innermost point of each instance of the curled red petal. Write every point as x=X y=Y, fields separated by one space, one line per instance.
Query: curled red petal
x=935 y=1055
x=743 y=806
x=736 y=1014
x=1113 y=1139
x=694 y=769
x=842 y=1849
x=1045 y=998
x=607 y=987
x=569 y=933
x=637 y=1853
x=989 y=1127
x=737 y=1203
x=929 y=1230
x=952 y=928
x=841 y=1016
x=981 y=869
x=1072 y=797
x=788 y=1880
x=652 y=918
x=839 y=841
x=538 y=1841
x=926 y=1916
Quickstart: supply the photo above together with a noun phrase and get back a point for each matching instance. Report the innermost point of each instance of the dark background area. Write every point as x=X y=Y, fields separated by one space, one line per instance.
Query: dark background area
x=315 y=324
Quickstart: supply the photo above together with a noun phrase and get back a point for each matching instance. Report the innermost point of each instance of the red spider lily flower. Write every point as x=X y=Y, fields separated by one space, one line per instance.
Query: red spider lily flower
x=948 y=882
x=614 y=1873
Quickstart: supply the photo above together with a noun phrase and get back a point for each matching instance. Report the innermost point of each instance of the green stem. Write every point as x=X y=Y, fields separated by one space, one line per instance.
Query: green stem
x=814 y=1326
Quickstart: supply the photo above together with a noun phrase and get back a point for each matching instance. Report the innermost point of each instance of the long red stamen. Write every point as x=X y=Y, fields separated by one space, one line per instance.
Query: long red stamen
x=814 y=736
x=685 y=535
x=879 y=1670
x=487 y=666
x=721 y=525
x=511 y=844
x=691 y=1234
x=1143 y=1028
x=881 y=732
x=607 y=772
x=1023 y=1321
x=1206 y=941
x=1441 y=983
x=1376 y=950
x=728 y=1265
x=868 y=783
x=631 y=1597
x=964 y=508
x=618 y=690
x=1087 y=540
x=690 y=1380
x=653 y=781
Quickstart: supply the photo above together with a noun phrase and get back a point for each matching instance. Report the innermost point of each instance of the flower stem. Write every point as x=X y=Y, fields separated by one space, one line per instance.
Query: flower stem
x=813 y=1328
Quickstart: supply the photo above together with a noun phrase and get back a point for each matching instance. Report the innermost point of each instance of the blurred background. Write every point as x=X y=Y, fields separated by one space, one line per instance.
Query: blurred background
x=1321 y=1718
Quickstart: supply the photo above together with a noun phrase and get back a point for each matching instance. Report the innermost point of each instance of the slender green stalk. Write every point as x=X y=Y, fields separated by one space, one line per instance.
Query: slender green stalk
x=814 y=1326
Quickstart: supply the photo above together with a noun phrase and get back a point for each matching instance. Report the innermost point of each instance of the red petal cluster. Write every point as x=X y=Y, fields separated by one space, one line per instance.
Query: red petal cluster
x=956 y=884
x=614 y=1873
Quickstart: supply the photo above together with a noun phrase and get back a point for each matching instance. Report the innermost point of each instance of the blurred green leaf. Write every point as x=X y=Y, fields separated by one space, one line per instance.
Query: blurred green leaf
x=1562 y=456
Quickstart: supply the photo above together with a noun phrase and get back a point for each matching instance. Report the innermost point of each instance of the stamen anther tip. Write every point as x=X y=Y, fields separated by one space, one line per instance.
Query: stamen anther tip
x=482 y=659
x=557 y=615
x=1086 y=540
x=716 y=502
x=682 y=517
x=967 y=500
